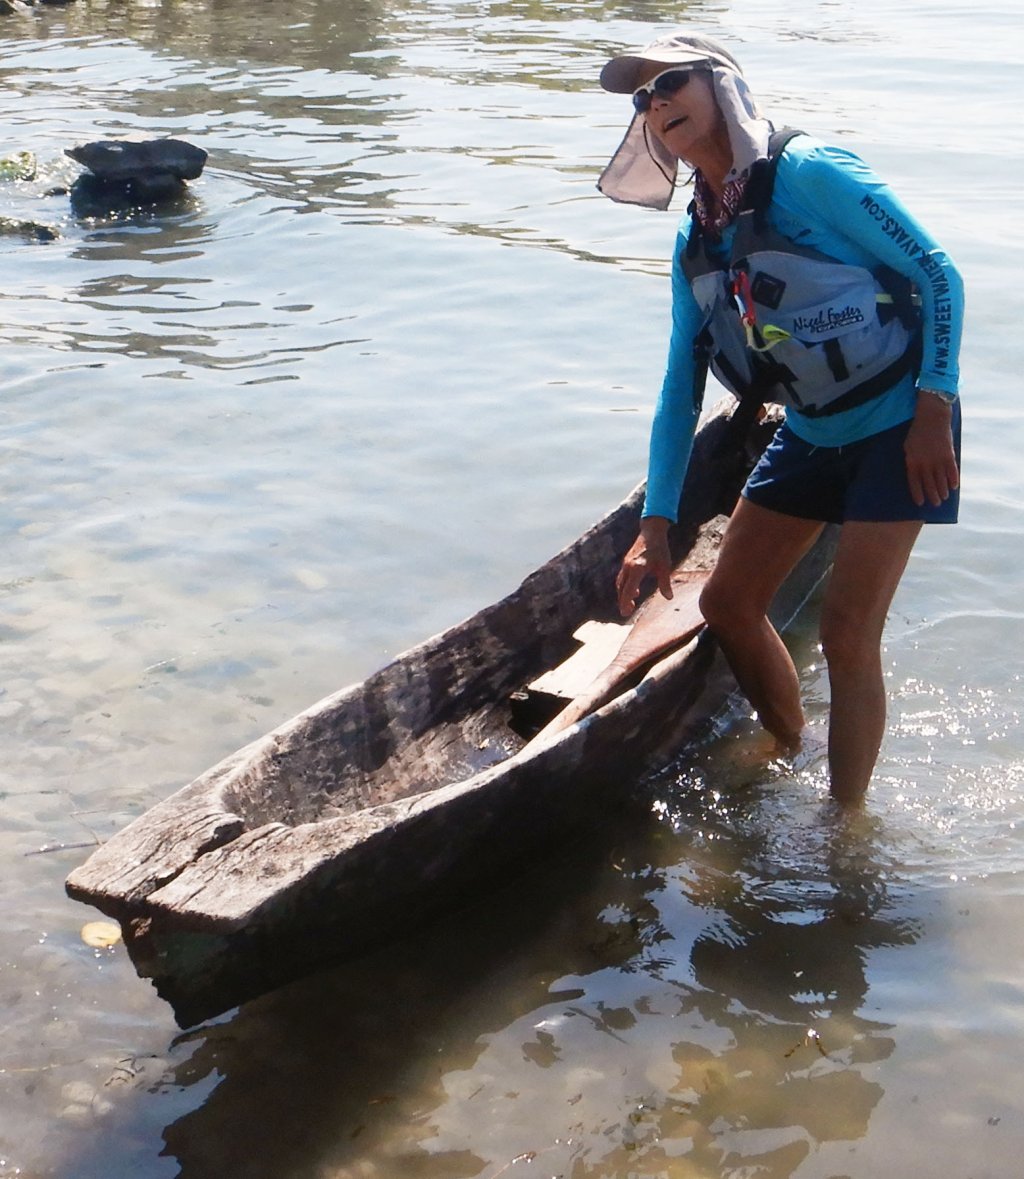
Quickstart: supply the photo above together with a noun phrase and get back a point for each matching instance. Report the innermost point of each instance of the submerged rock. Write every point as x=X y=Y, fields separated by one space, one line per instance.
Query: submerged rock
x=137 y=171
x=29 y=230
x=19 y=166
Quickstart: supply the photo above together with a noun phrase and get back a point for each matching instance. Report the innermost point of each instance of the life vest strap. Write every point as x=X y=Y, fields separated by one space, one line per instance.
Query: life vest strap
x=873 y=387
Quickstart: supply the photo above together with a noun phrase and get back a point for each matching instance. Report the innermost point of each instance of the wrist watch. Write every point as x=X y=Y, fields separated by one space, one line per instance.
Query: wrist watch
x=941 y=394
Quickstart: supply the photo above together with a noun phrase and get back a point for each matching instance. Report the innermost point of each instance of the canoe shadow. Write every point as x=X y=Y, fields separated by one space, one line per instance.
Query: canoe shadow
x=325 y=1056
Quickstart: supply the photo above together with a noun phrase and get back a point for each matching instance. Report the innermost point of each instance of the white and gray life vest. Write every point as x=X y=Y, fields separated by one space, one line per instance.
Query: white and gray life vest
x=788 y=324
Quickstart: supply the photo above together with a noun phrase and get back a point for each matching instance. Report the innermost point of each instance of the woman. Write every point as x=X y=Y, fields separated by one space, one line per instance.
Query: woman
x=812 y=308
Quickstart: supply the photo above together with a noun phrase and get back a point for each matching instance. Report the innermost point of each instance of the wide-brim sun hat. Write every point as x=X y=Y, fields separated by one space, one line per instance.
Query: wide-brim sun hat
x=622 y=75
x=643 y=171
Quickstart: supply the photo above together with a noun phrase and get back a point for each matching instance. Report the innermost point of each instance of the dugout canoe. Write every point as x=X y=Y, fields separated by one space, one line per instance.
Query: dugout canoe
x=394 y=800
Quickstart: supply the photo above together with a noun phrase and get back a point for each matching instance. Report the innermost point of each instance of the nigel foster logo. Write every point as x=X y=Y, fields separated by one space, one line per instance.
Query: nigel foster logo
x=828 y=320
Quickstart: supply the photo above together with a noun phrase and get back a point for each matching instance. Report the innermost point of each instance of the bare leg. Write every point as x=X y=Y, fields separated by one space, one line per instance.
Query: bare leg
x=759 y=550
x=869 y=564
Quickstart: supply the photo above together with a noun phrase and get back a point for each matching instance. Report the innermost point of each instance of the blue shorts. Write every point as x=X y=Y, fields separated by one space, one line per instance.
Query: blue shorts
x=865 y=480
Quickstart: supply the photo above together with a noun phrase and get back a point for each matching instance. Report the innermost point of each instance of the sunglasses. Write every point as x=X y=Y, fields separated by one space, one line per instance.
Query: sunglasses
x=663 y=86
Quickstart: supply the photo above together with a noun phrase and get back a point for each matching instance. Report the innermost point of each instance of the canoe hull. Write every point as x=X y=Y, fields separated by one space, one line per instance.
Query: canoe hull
x=220 y=902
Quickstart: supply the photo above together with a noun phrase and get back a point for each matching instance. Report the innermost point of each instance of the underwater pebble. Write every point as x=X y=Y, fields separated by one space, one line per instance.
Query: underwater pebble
x=578 y=1079
x=311 y=579
x=101 y=934
x=85 y=1103
x=78 y=1093
x=77 y=1115
x=663 y=1074
x=85 y=1115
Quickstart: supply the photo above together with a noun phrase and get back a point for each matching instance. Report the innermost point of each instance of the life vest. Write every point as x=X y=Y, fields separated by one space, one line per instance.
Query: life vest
x=789 y=324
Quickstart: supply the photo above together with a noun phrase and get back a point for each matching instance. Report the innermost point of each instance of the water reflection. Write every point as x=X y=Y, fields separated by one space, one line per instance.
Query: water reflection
x=376 y=38
x=353 y=1061
x=234 y=30
x=795 y=911
x=695 y=1000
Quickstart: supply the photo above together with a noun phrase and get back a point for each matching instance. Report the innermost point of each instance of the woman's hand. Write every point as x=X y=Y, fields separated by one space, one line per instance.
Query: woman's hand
x=931 y=463
x=649 y=557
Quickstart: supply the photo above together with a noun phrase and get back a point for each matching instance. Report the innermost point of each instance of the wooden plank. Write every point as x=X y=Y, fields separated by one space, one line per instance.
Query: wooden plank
x=600 y=643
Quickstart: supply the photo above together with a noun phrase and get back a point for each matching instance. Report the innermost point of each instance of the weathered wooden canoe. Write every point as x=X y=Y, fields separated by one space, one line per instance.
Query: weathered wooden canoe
x=399 y=797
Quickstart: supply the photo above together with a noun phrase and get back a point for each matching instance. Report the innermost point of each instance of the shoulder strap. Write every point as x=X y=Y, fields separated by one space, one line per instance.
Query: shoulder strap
x=696 y=234
x=758 y=194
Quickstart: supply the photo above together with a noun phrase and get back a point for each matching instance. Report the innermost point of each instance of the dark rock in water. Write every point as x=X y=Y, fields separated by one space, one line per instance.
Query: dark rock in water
x=14 y=8
x=124 y=173
x=29 y=230
x=150 y=163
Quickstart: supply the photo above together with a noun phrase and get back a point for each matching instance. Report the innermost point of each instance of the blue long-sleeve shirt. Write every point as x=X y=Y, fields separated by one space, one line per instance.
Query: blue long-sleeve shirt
x=830 y=200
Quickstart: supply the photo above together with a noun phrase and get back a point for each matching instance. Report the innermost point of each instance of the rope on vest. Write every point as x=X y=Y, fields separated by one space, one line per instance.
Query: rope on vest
x=757 y=196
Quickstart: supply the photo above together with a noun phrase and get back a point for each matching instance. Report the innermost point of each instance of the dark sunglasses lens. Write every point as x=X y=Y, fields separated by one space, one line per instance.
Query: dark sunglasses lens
x=668 y=84
x=664 y=87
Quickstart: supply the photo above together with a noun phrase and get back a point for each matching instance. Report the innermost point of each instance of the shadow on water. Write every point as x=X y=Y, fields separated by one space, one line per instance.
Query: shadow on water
x=326 y=1057
x=700 y=986
x=91 y=198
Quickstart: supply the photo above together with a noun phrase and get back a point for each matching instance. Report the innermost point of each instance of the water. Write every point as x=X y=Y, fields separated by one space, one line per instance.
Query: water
x=391 y=353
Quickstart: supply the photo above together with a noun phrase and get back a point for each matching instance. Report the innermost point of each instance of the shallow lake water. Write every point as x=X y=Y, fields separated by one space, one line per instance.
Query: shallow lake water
x=390 y=353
